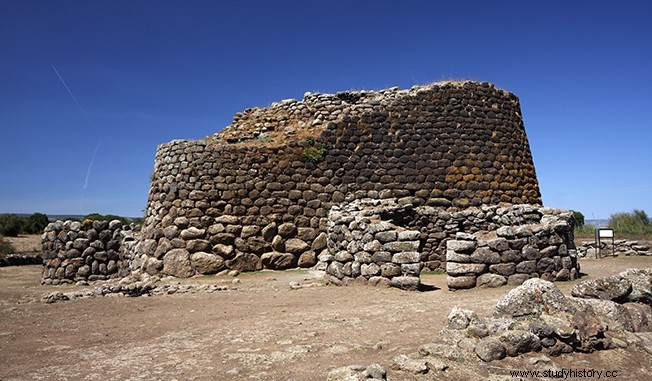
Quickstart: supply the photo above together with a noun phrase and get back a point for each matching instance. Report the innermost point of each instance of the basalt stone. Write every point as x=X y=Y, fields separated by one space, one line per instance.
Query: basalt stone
x=192 y=233
x=410 y=283
x=269 y=231
x=287 y=230
x=461 y=282
x=504 y=269
x=177 y=263
x=307 y=259
x=296 y=246
x=390 y=270
x=456 y=269
x=461 y=246
x=224 y=251
x=401 y=246
x=491 y=280
x=244 y=262
x=320 y=242
x=205 y=263
x=278 y=261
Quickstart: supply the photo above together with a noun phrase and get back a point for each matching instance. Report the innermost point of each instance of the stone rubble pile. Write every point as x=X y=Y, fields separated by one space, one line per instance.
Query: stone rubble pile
x=513 y=254
x=605 y=313
x=590 y=250
x=132 y=286
x=73 y=251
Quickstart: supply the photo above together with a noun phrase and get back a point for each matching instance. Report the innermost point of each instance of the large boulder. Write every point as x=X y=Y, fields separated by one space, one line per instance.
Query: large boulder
x=244 y=262
x=177 y=263
x=278 y=261
x=205 y=263
x=641 y=280
x=615 y=288
x=534 y=297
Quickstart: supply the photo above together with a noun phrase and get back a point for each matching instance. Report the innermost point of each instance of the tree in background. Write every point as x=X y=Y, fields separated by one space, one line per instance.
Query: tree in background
x=107 y=217
x=578 y=219
x=636 y=222
x=35 y=223
x=10 y=225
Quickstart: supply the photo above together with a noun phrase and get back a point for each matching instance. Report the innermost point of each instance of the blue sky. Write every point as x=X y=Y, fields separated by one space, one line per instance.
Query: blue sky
x=147 y=72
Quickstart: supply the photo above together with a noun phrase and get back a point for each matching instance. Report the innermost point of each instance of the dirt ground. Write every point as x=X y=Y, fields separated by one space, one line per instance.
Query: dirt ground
x=259 y=329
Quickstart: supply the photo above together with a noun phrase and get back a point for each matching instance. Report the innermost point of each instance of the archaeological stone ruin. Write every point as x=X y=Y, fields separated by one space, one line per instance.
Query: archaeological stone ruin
x=372 y=187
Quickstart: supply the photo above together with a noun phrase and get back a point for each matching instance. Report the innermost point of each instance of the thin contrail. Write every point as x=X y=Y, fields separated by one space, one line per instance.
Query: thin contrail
x=90 y=121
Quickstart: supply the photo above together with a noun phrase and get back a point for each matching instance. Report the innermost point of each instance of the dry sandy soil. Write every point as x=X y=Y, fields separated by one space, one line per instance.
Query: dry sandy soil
x=259 y=329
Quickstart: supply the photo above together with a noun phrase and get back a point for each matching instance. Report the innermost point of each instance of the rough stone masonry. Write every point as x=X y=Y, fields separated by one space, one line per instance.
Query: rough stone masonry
x=258 y=194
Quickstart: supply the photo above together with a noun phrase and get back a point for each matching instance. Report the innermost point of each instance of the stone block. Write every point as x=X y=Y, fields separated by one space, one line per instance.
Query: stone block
x=456 y=269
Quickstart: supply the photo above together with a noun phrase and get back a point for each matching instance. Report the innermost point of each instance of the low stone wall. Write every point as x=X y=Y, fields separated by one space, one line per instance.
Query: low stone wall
x=513 y=254
x=364 y=246
x=620 y=247
x=75 y=251
x=20 y=260
x=389 y=241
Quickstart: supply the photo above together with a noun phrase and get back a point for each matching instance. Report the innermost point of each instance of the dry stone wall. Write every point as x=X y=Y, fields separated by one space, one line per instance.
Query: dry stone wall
x=379 y=242
x=73 y=251
x=366 y=247
x=257 y=195
x=541 y=248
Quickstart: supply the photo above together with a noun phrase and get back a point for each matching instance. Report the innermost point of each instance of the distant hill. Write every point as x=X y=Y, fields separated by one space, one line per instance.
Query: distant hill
x=63 y=217
x=598 y=223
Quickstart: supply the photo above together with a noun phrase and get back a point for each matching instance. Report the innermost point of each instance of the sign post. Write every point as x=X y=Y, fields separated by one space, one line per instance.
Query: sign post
x=604 y=233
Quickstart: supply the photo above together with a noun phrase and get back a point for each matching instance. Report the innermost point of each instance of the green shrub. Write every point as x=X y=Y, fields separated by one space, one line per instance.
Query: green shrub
x=5 y=246
x=107 y=217
x=636 y=222
x=10 y=225
x=35 y=223
x=578 y=219
x=313 y=153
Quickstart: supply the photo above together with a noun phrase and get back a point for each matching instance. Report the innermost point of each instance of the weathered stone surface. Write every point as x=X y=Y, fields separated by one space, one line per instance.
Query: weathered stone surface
x=613 y=288
x=287 y=230
x=455 y=269
x=390 y=270
x=269 y=231
x=244 y=262
x=491 y=280
x=406 y=257
x=177 y=263
x=192 y=233
x=517 y=279
x=490 y=349
x=461 y=282
x=504 y=269
x=460 y=318
x=205 y=263
x=519 y=341
x=401 y=246
x=320 y=242
x=224 y=251
x=640 y=315
x=278 y=244
x=307 y=259
x=278 y=261
x=407 y=364
x=533 y=297
x=461 y=246
x=611 y=314
x=406 y=282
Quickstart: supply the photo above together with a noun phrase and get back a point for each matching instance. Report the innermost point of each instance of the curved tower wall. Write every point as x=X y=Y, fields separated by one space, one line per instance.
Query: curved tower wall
x=258 y=193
